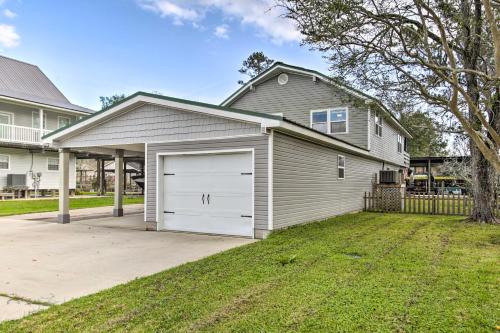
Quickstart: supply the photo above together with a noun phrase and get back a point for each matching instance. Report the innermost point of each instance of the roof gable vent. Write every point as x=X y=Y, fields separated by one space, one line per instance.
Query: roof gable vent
x=283 y=79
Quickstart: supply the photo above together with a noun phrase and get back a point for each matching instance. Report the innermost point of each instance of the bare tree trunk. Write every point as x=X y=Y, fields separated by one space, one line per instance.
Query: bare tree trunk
x=483 y=173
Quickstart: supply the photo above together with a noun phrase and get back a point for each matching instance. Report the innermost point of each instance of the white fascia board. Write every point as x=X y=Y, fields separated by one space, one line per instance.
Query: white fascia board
x=93 y=121
x=42 y=106
x=352 y=92
x=291 y=70
x=327 y=140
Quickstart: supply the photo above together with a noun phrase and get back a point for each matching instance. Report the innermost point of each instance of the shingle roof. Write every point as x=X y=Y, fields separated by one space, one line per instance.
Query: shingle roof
x=27 y=82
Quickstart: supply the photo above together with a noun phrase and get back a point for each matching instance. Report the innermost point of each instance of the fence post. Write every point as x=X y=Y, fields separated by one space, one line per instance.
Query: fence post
x=365 y=202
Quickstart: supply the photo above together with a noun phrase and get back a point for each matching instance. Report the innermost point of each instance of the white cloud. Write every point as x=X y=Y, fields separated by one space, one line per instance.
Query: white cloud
x=167 y=8
x=8 y=36
x=9 y=14
x=222 y=31
x=260 y=14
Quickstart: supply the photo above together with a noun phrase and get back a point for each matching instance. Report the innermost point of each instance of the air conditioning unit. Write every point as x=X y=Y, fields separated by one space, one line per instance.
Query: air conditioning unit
x=16 y=179
x=388 y=177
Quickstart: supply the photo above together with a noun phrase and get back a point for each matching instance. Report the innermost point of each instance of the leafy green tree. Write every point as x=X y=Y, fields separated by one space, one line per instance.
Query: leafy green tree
x=441 y=53
x=427 y=139
x=108 y=101
x=256 y=63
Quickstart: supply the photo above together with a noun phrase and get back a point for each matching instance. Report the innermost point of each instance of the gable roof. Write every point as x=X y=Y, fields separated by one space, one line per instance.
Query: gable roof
x=141 y=97
x=281 y=66
x=26 y=82
x=264 y=119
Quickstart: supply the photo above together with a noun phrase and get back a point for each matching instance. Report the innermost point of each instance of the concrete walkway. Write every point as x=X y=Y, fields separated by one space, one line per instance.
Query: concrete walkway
x=43 y=262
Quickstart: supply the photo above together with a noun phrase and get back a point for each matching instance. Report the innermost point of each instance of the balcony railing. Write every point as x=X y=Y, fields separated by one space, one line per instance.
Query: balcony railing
x=21 y=134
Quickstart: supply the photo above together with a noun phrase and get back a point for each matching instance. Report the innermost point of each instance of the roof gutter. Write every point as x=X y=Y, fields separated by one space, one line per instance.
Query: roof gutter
x=42 y=105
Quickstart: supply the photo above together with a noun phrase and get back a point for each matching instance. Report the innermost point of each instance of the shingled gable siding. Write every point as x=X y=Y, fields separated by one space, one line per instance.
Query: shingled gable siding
x=301 y=95
x=259 y=143
x=385 y=147
x=154 y=123
x=306 y=185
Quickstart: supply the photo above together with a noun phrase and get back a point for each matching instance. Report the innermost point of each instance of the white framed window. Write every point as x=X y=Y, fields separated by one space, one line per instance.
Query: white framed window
x=53 y=164
x=330 y=121
x=35 y=119
x=341 y=166
x=378 y=124
x=400 y=143
x=6 y=118
x=63 y=121
x=4 y=162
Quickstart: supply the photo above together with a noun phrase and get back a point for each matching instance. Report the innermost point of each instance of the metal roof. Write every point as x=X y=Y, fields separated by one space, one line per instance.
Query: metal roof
x=26 y=82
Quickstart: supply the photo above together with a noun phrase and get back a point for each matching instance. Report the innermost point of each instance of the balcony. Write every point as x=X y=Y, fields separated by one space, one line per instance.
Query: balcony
x=406 y=157
x=21 y=134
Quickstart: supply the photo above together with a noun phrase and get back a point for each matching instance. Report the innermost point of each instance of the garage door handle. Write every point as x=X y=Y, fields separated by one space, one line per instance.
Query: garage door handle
x=249 y=216
x=168 y=212
x=208 y=199
x=203 y=198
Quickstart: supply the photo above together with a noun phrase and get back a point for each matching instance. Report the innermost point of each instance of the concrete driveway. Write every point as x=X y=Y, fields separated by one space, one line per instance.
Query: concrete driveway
x=44 y=262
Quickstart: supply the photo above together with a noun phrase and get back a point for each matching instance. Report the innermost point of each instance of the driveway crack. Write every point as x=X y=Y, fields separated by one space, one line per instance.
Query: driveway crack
x=13 y=297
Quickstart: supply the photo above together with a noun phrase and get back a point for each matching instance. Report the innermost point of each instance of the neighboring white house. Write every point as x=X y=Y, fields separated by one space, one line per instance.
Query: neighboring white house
x=30 y=107
x=289 y=147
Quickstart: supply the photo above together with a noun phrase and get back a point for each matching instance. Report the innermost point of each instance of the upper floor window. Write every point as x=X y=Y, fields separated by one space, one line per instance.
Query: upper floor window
x=341 y=166
x=4 y=162
x=6 y=118
x=53 y=164
x=63 y=121
x=405 y=146
x=378 y=124
x=400 y=143
x=35 y=119
x=330 y=121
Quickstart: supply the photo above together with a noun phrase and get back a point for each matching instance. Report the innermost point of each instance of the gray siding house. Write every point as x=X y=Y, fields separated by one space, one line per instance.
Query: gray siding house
x=30 y=107
x=291 y=146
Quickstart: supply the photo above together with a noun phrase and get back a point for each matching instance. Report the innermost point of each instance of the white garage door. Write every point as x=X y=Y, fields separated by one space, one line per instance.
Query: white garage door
x=209 y=193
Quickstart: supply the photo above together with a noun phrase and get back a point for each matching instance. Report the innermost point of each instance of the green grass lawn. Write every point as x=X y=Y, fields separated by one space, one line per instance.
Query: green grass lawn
x=15 y=207
x=365 y=272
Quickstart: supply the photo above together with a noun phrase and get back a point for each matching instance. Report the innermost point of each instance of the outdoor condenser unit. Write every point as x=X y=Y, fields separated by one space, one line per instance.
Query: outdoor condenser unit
x=16 y=179
x=388 y=177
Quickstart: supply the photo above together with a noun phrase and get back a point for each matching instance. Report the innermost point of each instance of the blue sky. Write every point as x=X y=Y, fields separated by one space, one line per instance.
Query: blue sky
x=188 y=49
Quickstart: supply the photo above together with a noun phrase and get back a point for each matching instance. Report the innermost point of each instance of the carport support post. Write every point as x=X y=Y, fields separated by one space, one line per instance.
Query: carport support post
x=118 y=209
x=63 y=216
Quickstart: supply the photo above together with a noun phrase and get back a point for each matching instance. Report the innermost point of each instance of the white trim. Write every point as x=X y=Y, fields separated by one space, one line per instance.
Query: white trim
x=367 y=99
x=208 y=138
x=160 y=157
x=42 y=105
x=377 y=115
x=11 y=115
x=270 y=182
x=62 y=117
x=146 y=183
x=9 y=160
x=340 y=167
x=329 y=119
x=265 y=122
x=37 y=112
x=58 y=164
x=369 y=143
x=400 y=140
x=292 y=70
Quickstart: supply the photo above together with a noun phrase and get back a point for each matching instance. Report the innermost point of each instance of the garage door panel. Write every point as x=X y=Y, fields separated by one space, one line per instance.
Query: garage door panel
x=209 y=193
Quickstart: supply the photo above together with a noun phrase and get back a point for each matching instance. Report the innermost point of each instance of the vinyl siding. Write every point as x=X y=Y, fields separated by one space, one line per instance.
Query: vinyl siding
x=20 y=163
x=385 y=147
x=299 y=96
x=23 y=115
x=260 y=145
x=153 y=123
x=306 y=185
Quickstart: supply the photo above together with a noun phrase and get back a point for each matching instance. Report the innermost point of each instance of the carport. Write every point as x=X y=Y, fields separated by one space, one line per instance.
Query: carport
x=204 y=164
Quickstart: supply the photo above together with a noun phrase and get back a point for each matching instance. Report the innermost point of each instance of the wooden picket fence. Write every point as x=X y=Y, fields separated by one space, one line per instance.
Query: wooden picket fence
x=436 y=204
